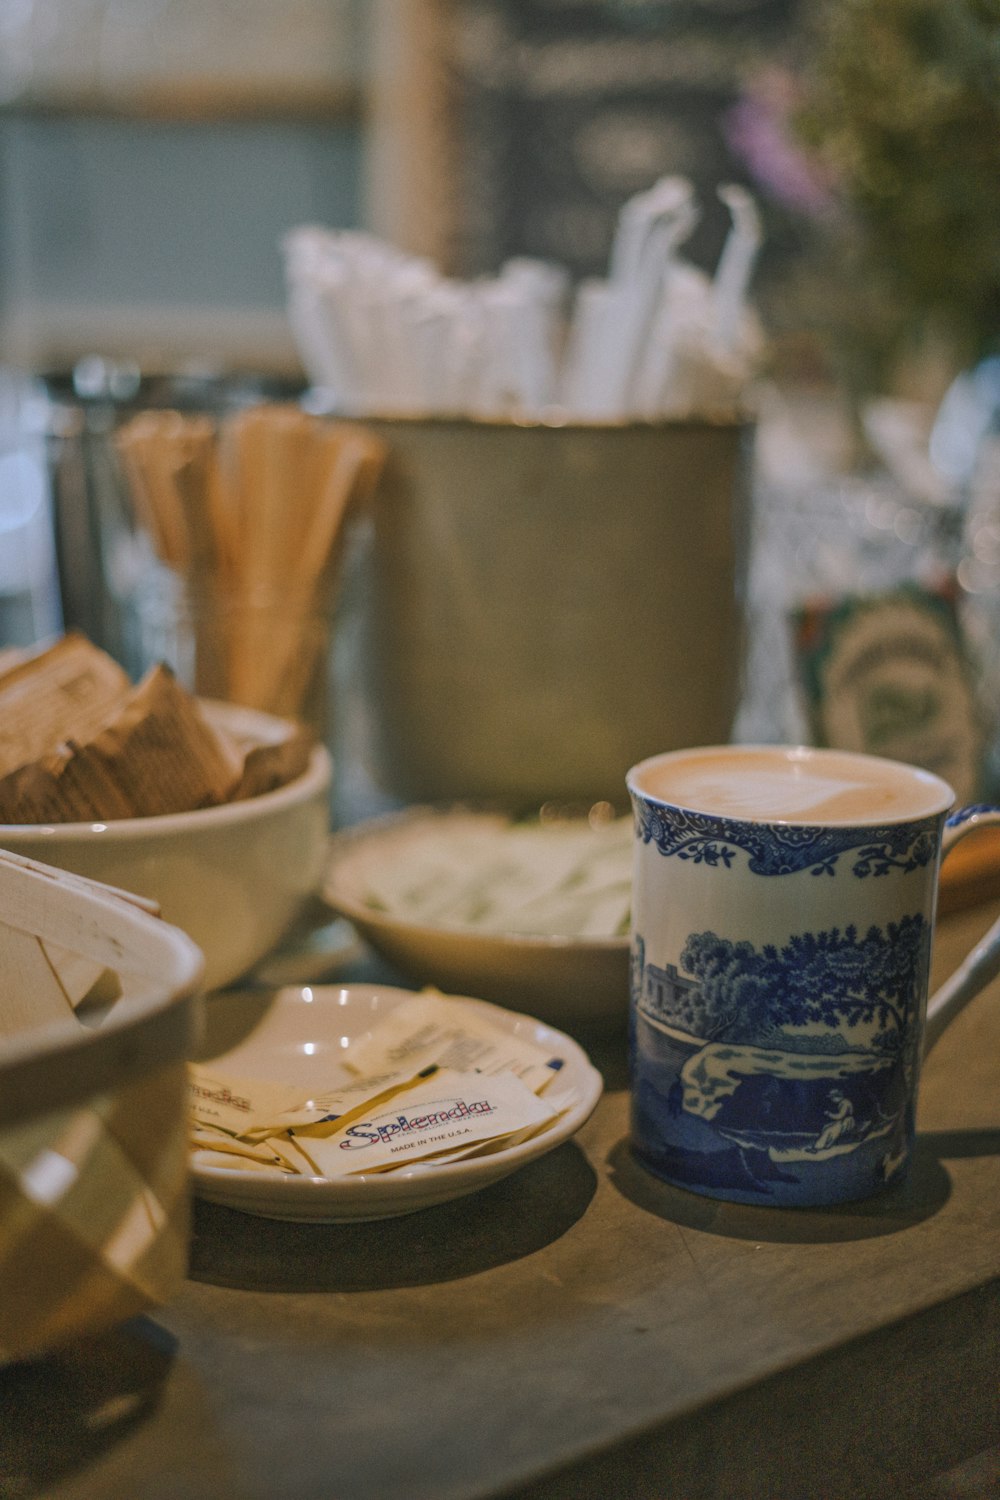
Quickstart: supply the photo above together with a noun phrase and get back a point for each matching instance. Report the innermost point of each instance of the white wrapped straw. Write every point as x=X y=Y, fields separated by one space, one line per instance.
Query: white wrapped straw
x=732 y=276
x=382 y=333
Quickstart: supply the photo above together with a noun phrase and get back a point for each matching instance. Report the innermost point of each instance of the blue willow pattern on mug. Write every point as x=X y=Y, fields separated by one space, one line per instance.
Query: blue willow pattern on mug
x=784 y=1072
x=972 y=810
x=764 y=1085
x=785 y=849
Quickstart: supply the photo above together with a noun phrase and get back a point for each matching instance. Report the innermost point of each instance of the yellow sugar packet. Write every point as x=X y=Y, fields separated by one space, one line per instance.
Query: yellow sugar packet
x=238 y=1104
x=277 y=1153
x=436 y=1028
x=214 y=1138
x=446 y=1109
x=203 y=1157
x=330 y=1111
x=293 y=1158
x=258 y=1111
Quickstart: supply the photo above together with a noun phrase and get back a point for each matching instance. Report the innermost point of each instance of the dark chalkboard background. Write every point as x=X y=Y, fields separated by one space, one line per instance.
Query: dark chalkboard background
x=564 y=109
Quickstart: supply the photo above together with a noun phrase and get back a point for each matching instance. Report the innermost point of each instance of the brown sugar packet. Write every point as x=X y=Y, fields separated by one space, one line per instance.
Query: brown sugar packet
x=160 y=752
x=78 y=743
x=68 y=690
x=46 y=792
x=268 y=766
x=156 y=755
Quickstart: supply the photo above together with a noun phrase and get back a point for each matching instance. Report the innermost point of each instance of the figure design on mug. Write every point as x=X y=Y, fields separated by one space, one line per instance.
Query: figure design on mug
x=840 y=1121
x=754 y=1065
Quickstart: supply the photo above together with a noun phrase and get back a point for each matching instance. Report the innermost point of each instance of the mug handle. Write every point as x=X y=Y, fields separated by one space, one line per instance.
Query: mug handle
x=983 y=963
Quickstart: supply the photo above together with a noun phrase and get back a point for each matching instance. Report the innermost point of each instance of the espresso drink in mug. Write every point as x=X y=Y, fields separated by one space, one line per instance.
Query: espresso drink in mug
x=783 y=907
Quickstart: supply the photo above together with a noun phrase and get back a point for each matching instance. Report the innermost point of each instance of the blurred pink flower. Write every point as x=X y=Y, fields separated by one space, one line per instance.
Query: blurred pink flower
x=758 y=129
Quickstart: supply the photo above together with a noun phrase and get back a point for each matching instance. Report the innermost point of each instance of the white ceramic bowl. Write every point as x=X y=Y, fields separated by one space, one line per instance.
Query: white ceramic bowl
x=234 y=877
x=565 y=981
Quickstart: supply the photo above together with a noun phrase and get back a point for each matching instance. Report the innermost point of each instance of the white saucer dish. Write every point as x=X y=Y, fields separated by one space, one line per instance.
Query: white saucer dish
x=573 y=979
x=300 y=1034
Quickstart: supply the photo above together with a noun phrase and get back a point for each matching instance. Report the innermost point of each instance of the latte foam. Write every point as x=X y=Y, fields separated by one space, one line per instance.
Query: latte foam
x=778 y=785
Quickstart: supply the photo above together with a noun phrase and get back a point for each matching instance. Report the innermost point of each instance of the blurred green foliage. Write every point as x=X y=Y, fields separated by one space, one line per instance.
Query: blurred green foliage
x=901 y=110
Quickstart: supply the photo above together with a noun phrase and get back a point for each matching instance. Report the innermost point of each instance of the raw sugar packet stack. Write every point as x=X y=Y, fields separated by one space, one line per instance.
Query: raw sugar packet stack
x=432 y=1083
x=80 y=742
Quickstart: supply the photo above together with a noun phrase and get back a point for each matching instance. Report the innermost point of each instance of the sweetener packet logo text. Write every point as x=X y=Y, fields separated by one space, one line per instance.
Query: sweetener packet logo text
x=219 y=1095
x=377 y=1132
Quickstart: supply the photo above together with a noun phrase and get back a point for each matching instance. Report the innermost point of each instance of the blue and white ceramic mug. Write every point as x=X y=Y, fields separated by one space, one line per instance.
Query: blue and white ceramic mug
x=783 y=909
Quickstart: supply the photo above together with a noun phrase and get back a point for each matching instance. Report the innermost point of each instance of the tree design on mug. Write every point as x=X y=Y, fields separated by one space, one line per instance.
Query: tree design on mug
x=743 y=994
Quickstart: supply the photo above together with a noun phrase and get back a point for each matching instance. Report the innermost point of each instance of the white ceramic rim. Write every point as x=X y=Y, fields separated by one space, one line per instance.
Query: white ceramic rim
x=313 y=780
x=43 y=1067
x=380 y=921
x=800 y=752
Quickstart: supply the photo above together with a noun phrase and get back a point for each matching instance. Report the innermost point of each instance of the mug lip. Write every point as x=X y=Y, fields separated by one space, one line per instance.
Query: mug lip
x=947 y=798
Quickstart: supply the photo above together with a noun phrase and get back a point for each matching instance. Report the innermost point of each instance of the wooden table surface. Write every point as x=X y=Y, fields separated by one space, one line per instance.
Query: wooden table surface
x=579 y=1330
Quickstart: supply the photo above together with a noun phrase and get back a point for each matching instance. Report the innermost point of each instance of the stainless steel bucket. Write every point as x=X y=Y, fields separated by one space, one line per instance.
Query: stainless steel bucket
x=547 y=605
